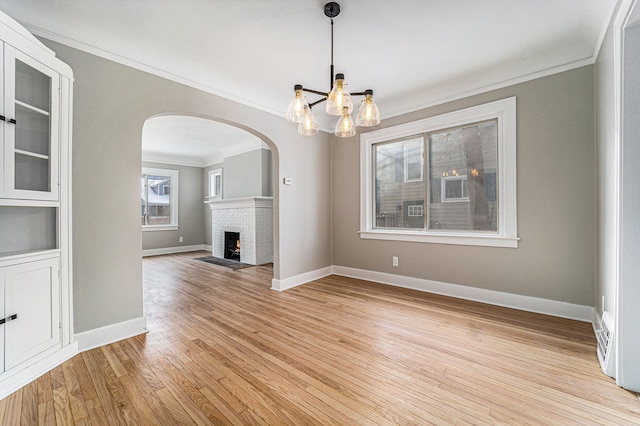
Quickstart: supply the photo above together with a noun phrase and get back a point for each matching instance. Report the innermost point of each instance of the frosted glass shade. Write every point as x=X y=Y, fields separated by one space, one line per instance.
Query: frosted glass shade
x=295 y=110
x=368 y=114
x=309 y=125
x=345 y=127
x=339 y=98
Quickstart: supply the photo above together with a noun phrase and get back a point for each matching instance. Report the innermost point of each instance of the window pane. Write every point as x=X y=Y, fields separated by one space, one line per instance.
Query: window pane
x=158 y=201
x=396 y=197
x=413 y=159
x=462 y=172
x=215 y=184
x=143 y=198
x=32 y=86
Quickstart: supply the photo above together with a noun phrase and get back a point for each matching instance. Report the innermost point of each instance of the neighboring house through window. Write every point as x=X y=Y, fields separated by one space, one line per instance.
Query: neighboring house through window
x=159 y=199
x=445 y=179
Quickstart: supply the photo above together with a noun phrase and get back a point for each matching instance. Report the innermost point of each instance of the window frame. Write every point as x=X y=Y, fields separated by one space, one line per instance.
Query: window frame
x=504 y=111
x=214 y=172
x=173 y=198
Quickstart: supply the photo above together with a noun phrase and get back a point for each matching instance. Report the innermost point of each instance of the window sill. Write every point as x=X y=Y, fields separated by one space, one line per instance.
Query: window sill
x=485 y=240
x=160 y=228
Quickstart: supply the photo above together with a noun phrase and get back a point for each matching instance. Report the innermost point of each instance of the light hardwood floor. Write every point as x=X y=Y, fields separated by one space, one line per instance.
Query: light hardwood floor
x=223 y=348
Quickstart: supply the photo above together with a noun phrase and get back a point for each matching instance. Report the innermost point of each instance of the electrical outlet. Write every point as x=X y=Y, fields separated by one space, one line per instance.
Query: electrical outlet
x=182 y=239
x=394 y=260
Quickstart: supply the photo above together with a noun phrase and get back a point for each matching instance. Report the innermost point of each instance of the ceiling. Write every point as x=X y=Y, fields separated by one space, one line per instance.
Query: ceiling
x=412 y=53
x=193 y=141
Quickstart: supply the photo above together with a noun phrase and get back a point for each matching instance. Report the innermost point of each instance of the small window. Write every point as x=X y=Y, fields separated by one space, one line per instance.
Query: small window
x=454 y=189
x=215 y=183
x=415 y=211
x=159 y=202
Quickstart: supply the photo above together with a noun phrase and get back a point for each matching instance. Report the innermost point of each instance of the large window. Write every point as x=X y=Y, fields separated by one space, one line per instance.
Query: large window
x=446 y=179
x=159 y=199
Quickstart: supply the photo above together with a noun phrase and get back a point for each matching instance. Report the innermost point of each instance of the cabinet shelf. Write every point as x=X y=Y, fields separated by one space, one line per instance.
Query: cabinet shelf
x=32 y=108
x=16 y=202
x=31 y=154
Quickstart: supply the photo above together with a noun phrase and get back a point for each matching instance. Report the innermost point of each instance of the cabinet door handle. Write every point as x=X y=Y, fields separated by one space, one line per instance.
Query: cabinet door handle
x=2 y=118
x=9 y=318
x=12 y=120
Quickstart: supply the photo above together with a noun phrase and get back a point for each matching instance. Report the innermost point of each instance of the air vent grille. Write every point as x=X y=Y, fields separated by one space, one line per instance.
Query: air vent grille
x=605 y=338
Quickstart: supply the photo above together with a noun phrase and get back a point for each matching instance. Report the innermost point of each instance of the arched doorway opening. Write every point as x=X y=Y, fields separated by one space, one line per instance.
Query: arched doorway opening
x=212 y=163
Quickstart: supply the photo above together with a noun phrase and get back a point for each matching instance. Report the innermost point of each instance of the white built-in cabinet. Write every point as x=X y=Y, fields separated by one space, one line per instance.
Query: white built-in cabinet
x=35 y=208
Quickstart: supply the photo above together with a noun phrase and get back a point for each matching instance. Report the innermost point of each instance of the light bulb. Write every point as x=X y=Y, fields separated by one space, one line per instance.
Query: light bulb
x=345 y=127
x=295 y=110
x=309 y=125
x=368 y=114
x=339 y=98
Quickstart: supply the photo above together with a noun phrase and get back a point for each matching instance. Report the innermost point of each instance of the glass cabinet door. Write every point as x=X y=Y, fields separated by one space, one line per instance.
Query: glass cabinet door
x=31 y=102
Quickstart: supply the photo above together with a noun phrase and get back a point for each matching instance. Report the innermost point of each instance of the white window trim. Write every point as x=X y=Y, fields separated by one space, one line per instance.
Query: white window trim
x=173 y=196
x=211 y=174
x=443 y=192
x=507 y=236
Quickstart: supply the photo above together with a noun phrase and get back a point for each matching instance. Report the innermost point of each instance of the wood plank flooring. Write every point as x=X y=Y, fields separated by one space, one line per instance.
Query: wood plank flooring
x=223 y=348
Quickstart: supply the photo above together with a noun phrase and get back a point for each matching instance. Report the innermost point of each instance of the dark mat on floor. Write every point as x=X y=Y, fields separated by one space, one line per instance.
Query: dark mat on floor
x=227 y=263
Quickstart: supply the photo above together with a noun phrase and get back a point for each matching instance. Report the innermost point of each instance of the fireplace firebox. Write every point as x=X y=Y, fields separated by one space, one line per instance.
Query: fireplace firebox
x=232 y=245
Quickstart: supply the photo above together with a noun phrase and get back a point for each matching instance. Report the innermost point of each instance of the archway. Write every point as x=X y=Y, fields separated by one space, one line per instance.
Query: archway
x=193 y=147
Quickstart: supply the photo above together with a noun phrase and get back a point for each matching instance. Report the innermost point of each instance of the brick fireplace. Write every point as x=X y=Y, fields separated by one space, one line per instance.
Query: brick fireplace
x=252 y=219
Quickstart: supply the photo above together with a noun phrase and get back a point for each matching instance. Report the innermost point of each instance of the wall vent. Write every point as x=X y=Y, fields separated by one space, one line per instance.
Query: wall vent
x=605 y=338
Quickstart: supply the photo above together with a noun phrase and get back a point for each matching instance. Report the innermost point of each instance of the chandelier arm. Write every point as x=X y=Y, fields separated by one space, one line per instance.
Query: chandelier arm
x=317 y=92
x=358 y=93
x=312 y=104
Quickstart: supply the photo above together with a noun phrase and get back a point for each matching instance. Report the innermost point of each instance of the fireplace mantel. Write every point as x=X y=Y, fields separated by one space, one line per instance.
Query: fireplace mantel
x=252 y=218
x=240 y=203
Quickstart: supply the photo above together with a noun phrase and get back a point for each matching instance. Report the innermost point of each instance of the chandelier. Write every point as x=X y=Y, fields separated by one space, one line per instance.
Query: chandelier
x=338 y=100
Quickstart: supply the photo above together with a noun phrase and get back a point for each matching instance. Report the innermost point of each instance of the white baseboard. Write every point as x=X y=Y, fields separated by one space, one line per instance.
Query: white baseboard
x=297 y=280
x=111 y=333
x=24 y=376
x=173 y=250
x=208 y=247
x=515 y=301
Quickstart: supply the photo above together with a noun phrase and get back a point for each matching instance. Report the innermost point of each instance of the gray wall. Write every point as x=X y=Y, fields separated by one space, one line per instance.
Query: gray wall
x=267 y=172
x=245 y=175
x=556 y=201
x=190 y=213
x=111 y=104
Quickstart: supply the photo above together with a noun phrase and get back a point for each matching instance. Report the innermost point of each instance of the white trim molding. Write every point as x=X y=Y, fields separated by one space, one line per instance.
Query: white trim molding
x=296 y=280
x=497 y=298
x=21 y=377
x=111 y=333
x=173 y=250
x=508 y=300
